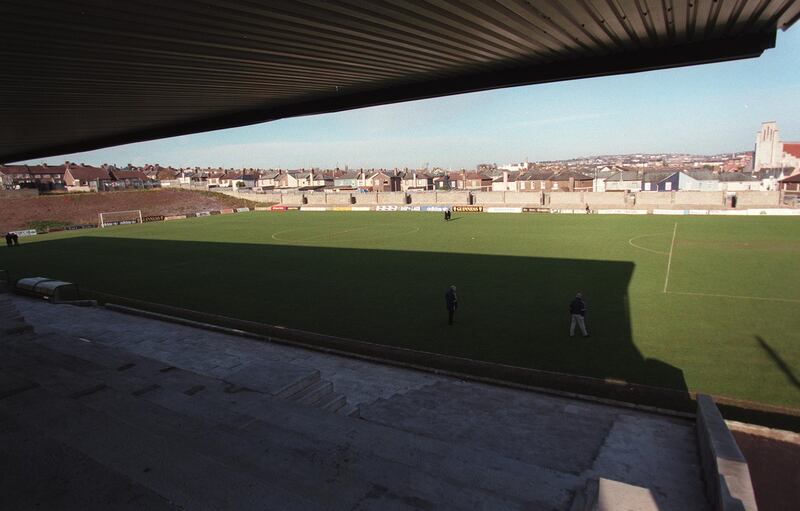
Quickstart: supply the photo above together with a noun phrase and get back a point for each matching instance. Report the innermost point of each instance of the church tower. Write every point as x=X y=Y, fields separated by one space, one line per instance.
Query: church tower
x=769 y=149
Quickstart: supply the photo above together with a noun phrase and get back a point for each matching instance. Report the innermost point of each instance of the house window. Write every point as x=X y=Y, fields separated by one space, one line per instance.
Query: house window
x=668 y=186
x=647 y=187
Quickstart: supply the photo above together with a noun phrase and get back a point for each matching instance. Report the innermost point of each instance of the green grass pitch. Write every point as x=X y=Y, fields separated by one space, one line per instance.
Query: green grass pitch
x=728 y=323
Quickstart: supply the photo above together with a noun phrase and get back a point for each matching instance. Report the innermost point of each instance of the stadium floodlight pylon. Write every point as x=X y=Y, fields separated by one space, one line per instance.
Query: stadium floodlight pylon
x=120 y=217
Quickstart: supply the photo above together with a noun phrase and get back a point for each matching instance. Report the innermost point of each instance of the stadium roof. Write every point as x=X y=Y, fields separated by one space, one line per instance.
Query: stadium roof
x=84 y=74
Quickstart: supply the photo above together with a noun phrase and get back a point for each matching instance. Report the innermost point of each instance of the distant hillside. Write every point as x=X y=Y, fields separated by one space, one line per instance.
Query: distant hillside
x=83 y=208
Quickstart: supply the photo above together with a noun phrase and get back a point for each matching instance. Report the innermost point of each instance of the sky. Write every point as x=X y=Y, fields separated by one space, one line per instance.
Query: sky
x=707 y=109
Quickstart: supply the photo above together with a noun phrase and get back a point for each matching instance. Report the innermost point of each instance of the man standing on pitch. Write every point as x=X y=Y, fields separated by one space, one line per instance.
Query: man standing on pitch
x=577 y=309
x=451 y=300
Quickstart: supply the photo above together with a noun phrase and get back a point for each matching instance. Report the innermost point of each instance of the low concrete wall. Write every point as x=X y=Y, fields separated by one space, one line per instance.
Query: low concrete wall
x=489 y=197
x=523 y=198
x=756 y=198
x=728 y=484
x=274 y=198
x=338 y=199
x=699 y=199
x=654 y=198
x=292 y=199
x=316 y=199
x=397 y=198
x=460 y=198
x=368 y=198
x=255 y=197
x=422 y=198
x=597 y=199
x=562 y=198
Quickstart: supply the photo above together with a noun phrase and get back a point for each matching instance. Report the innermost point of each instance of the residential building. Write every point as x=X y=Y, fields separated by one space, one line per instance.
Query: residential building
x=414 y=181
x=378 y=182
x=127 y=178
x=86 y=177
x=770 y=178
x=535 y=181
x=791 y=184
x=470 y=181
x=346 y=181
x=699 y=180
x=506 y=183
x=16 y=176
x=571 y=181
x=737 y=182
x=660 y=181
x=623 y=181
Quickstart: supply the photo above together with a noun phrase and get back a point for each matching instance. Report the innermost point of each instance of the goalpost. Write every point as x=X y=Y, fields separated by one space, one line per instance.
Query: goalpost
x=120 y=218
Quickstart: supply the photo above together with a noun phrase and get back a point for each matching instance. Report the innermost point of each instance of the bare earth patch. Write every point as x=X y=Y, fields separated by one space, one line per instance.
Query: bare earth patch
x=83 y=208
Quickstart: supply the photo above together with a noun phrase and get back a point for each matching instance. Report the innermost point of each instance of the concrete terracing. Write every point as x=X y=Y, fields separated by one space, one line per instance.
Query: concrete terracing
x=151 y=415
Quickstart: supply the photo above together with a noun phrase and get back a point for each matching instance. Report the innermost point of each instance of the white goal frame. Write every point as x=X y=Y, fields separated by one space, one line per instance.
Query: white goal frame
x=135 y=217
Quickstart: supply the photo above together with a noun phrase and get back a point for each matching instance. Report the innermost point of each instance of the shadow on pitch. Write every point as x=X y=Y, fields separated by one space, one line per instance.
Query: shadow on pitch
x=779 y=362
x=512 y=310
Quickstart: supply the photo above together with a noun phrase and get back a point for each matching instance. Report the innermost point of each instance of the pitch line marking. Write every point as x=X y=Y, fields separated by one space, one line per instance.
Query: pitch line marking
x=789 y=300
x=669 y=261
x=634 y=245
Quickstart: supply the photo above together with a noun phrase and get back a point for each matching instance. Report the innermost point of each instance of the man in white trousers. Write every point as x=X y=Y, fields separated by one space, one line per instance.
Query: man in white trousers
x=577 y=309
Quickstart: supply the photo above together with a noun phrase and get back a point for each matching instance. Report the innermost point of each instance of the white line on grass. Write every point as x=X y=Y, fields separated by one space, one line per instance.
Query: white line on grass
x=669 y=261
x=789 y=300
x=634 y=245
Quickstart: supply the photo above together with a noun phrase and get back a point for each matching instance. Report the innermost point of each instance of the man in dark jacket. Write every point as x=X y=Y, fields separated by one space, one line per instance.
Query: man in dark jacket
x=15 y=238
x=9 y=239
x=451 y=300
x=577 y=309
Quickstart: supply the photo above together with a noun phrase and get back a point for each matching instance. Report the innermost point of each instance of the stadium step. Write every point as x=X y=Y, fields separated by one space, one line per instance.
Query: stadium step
x=392 y=460
x=254 y=453
x=11 y=321
x=181 y=475
x=62 y=477
x=307 y=385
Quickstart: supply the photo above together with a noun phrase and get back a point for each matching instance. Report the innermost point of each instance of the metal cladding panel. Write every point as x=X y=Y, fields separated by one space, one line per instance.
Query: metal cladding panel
x=83 y=74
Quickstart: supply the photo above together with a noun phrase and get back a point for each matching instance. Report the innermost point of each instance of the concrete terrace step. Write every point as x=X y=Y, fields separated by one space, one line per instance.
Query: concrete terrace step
x=506 y=428
x=259 y=455
x=257 y=377
x=339 y=447
x=43 y=473
x=181 y=475
x=11 y=321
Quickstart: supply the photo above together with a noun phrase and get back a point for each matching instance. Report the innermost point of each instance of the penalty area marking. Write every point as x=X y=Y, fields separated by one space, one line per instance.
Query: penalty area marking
x=669 y=261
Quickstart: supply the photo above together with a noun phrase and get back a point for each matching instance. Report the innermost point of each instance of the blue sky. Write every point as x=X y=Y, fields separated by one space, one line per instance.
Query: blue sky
x=705 y=109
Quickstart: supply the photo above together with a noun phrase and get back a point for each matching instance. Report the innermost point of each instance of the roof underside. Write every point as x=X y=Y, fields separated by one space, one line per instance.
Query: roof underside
x=79 y=75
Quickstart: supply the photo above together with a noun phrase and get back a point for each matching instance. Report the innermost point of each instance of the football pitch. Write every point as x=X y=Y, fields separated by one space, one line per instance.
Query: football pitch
x=711 y=304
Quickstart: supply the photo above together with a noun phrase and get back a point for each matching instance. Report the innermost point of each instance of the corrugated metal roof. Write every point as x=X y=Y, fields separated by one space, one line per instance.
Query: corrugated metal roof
x=82 y=74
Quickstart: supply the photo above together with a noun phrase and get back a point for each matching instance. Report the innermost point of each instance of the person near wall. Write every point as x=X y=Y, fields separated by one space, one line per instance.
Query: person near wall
x=15 y=238
x=577 y=310
x=451 y=300
x=9 y=239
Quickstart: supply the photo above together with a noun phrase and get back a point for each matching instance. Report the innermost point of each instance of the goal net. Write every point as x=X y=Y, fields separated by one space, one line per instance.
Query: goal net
x=120 y=218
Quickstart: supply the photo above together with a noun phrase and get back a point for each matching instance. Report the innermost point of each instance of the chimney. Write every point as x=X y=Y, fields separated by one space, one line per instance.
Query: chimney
x=505 y=180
